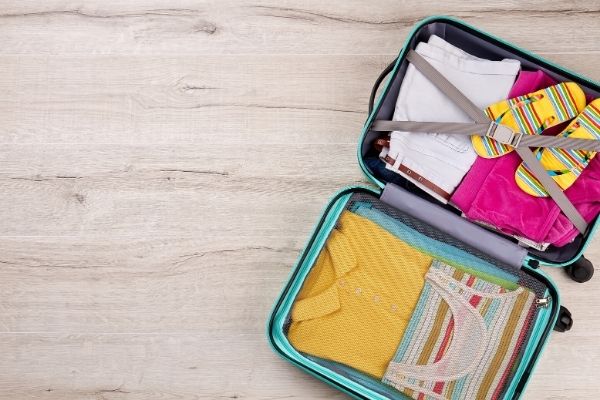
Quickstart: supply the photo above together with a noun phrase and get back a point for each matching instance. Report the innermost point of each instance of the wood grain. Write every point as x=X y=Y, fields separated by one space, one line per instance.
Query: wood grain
x=163 y=163
x=274 y=27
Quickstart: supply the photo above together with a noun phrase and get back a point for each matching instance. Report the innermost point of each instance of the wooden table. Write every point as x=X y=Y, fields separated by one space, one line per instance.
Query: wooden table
x=163 y=162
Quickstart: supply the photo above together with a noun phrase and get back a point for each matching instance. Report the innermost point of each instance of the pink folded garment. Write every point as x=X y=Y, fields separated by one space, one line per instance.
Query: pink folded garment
x=489 y=193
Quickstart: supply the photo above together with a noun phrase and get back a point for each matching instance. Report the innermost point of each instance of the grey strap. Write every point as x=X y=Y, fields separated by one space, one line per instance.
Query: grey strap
x=552 y=188
x=480 y=129
x=561 y=142
x=490 y=129
x=484 y=127
x=460 y=128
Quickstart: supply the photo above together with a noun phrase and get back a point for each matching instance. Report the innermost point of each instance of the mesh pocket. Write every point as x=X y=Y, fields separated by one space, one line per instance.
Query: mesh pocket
x=398 y=306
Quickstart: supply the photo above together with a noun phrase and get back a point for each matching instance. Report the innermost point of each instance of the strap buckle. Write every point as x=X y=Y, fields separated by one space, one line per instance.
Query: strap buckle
x=504 y=134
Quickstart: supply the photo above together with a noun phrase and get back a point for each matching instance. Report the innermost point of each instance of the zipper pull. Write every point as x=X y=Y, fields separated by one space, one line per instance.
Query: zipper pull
x=543 y=302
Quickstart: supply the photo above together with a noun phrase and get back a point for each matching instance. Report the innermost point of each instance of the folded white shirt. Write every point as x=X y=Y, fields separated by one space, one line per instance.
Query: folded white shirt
x=443 y=159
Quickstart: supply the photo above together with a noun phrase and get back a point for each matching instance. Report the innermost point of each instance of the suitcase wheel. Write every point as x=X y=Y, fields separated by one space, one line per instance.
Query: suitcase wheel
x=564 y=322
x=581 y=270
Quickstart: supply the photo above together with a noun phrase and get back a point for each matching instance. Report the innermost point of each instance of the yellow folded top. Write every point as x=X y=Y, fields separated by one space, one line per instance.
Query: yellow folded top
x=359 y=296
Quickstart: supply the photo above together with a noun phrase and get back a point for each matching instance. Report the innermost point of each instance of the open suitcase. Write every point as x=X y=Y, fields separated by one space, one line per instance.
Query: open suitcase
x=397 y=296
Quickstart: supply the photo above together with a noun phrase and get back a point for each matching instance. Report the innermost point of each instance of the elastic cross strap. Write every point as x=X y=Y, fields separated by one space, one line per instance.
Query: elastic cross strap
x=562 y=142
x=461 y=128
x=488 y=129
x=484 y=127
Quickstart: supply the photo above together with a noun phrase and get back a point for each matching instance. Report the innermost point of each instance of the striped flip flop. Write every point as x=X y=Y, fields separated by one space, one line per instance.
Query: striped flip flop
x=531 y=114
x=564 y=166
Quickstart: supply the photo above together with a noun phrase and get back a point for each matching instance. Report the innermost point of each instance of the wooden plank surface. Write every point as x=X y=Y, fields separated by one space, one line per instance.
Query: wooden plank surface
x=163 y=163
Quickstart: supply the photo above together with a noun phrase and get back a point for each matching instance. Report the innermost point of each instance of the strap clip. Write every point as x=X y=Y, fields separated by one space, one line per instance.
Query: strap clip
x=504 y=134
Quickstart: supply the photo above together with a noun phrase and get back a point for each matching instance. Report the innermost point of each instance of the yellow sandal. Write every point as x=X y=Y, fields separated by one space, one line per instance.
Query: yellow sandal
x=531 y=114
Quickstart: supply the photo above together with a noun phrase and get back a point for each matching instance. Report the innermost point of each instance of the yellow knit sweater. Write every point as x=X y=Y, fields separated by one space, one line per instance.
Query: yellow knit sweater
x=359 y=296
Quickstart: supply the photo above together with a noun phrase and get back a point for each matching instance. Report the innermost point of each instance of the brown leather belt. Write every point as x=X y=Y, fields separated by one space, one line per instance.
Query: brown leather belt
x=418 y=179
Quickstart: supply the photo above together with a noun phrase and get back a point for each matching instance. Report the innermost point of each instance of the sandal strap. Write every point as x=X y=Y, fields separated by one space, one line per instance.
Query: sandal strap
x=568 y=159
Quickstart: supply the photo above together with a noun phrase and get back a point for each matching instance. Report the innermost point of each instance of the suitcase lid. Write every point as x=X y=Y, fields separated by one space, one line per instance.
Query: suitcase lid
x=459 y=31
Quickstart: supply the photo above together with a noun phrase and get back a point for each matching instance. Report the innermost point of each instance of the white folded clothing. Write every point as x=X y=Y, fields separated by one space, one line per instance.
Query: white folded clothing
x=438 y=162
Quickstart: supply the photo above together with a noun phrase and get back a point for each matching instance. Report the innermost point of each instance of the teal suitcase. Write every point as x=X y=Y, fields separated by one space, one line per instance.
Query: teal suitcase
x=437 y=224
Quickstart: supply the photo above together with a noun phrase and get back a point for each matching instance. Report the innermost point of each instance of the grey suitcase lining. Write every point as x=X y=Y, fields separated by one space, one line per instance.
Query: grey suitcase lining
x=455 y=226
x=484 y=49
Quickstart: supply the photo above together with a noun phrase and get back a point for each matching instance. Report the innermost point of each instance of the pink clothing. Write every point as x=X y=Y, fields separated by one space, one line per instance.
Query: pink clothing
x=489 y=193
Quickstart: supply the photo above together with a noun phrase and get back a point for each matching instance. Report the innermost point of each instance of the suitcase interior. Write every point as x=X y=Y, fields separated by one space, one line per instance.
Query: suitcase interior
x=435 y=221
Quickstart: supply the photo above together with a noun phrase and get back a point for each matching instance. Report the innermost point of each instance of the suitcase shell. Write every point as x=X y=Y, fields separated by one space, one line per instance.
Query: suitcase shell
x=383 y=109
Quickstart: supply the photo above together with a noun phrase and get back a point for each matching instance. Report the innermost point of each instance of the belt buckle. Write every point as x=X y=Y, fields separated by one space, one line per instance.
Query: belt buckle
x=504 y=134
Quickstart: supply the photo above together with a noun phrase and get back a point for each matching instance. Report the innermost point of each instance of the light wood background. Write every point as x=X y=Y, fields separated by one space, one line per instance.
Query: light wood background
x=163 y=162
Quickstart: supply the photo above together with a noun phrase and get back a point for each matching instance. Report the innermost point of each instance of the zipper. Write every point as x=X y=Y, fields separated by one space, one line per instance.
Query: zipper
x=543 y=302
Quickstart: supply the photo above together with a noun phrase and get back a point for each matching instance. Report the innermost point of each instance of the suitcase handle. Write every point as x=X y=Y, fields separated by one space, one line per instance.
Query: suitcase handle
x=380 y=79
